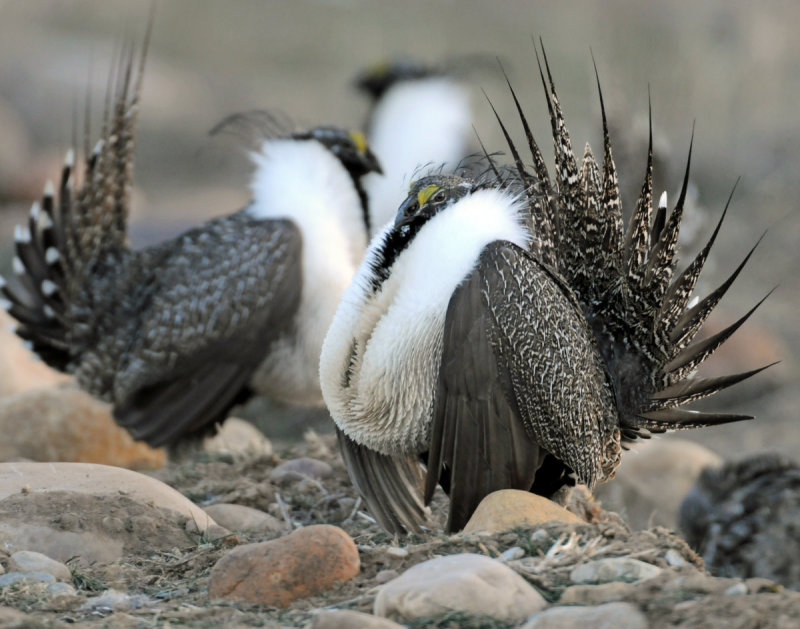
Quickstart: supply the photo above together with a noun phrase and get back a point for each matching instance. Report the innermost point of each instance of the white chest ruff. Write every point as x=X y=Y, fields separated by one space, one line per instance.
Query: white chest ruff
x=304 y=182
x=381 y=357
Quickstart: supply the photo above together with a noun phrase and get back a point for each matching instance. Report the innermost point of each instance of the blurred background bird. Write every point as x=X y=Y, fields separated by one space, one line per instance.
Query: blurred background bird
x=173 y=335
x=512 y=333
x=743 y=517
x=420 y=117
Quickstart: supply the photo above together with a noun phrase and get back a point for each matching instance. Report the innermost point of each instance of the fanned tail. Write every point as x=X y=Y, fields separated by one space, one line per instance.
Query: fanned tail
x=73 y=229
x=625 y=277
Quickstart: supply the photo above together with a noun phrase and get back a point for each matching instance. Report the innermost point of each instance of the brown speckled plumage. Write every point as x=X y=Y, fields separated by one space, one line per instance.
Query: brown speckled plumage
x=554 y=355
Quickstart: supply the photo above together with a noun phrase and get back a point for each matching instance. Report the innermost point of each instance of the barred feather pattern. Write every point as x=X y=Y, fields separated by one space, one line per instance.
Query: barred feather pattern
x=625 y=277
x=71 y=234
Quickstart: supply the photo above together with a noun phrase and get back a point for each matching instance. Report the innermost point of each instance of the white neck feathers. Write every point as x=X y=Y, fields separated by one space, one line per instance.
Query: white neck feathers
x=303 y=181
x=425 y=122
x=390 y=341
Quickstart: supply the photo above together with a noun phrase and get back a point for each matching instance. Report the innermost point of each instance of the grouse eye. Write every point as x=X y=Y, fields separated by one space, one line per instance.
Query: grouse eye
x=439 y=196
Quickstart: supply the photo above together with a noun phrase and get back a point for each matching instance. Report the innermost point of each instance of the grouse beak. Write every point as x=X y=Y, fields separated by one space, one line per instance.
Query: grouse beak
x=371 y=162
x=366 y=156
x=407 y=212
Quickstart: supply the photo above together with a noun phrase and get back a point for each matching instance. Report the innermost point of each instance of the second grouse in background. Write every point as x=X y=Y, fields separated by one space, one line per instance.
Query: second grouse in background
x=171 y=335
x=420 y=118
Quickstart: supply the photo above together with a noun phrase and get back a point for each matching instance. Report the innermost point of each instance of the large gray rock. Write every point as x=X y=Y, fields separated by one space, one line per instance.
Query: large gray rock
x=609 y=616
x=95 y=512
x=467 y=583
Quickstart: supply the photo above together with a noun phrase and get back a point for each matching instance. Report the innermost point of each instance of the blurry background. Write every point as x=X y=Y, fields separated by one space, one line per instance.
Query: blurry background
x=733 y=67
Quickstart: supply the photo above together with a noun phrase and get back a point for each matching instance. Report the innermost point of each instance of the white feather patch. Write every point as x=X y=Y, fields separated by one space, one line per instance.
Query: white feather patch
x=22 y=234
x=304 y=182
x=17 y=265
x=397 y=332
x=49 y=287
x=427 y=122
x=51 y=255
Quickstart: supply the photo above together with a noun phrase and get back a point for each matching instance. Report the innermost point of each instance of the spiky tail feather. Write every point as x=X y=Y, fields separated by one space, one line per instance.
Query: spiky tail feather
x=624 y=278
x=68 y=233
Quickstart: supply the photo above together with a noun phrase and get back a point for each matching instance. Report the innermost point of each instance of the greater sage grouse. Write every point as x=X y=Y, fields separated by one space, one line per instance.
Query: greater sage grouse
x=420 y=115
x=510 y=333
x=171 y=334
x=744 y=519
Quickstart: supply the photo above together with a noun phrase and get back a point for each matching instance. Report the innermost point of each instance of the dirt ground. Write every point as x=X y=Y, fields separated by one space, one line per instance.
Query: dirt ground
x=170 y=587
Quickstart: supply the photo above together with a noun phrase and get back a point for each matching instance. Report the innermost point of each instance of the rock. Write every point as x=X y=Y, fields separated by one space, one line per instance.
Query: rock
x=30 y=561
x=613 y=569
x=609 y=616
x=60 y=589
x=652 y=480
x=511 y=508
x=674 y=559
x=96 y=512
x=384 y=576
x=62 y=423
x=597 y=594
x=20 y=370
x=211 y=533
x=697 y=583
x=515 y=552
x=300 y=469
x=308 y=561
x=737 y=589
x=11 y=578
x=113 y=600
x=396 y=552
x=239 y=439
x=346 y=619
x=241 y=518
x=466 y=583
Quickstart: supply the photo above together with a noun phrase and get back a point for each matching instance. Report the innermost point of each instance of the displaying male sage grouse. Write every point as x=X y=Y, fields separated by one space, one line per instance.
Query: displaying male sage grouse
x=420 y=116
x=511 y=334
x=171 y=334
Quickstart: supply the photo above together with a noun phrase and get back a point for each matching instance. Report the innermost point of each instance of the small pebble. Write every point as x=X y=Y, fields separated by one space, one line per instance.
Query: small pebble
x=384 y=576
x=466 y=583
x=515 y=552
x=26 y=577
x=737 y=589
x=60 y=588
x=397 y=553
x=540 y=536
x=114 y=600
x=300 y=469
x=674 y=558
x=613 y=569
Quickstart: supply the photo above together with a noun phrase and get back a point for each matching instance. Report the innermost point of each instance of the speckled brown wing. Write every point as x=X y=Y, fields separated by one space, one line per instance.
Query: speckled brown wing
x=520 y=379
x=220 y=295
